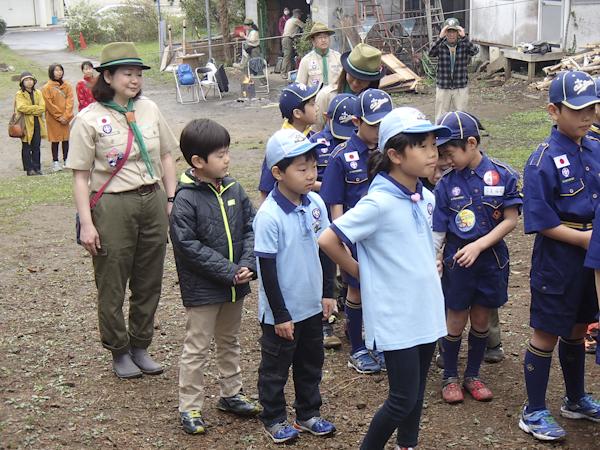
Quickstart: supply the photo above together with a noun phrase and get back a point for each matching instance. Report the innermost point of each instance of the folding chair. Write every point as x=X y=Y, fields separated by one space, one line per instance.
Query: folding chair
x=207 y=80
x=257 y=71
x=184 y=78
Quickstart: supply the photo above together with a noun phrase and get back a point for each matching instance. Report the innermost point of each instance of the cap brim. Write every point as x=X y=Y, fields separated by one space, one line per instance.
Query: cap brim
x=304 y=148
x=375 y=118
x=581 y=102
x=340 y=131
x=359 y=75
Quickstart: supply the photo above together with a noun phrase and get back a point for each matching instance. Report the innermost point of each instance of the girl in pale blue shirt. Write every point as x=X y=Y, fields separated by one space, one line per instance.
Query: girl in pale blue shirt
x=391 y=227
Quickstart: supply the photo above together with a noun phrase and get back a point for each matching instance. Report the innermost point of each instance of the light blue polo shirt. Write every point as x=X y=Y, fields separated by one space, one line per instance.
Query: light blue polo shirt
x=402 y=299
x=289 y=233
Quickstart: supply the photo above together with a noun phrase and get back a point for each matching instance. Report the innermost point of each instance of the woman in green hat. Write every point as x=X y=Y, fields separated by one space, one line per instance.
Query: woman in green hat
x=361 y=69
x=252 y=44
x=121 y=148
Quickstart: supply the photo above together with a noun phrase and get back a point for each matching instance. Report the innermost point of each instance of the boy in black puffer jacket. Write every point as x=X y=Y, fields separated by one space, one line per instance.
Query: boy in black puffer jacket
x=213 y=242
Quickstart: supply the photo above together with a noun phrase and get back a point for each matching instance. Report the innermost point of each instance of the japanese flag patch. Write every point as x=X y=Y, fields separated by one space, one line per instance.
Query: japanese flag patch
x=103 y=121
x=561 y=161
x=351 y=156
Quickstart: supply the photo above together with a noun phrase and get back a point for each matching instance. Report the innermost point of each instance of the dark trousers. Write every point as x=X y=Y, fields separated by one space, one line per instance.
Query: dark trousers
x=305 y=354
x=65 y=150
x=30 y=153
x=407 y=375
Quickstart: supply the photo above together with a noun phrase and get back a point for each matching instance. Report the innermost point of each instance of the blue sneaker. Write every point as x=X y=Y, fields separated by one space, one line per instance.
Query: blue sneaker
x=541 y=425
x=315 y=425
x=378 y=357
x=281 y=432
x=192 y=422
x=586 y=408
x=363 y=363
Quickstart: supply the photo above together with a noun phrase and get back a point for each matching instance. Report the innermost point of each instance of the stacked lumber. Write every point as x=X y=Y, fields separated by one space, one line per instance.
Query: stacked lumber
x=586 y=61
x=399 y=78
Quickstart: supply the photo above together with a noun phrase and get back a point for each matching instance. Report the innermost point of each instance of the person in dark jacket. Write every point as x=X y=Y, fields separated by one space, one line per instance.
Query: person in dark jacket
x=452 y=48
x=213 y=242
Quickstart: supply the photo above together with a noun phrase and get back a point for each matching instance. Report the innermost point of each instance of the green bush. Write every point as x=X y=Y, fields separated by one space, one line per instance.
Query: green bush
x=301 y=45
x=2 y=27
x=135 y=21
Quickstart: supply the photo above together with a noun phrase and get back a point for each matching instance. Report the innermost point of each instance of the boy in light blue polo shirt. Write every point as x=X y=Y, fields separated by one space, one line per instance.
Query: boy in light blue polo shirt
x=295 y=290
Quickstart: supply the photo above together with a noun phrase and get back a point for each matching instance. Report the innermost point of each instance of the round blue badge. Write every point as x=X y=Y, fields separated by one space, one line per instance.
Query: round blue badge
x=107 y=129
x=455 y=191
x=565 y=172
x=316 y=213
x=465 y=220
x=430 y=208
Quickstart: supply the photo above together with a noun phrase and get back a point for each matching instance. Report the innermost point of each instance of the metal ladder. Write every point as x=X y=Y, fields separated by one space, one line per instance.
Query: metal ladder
x=372 y=28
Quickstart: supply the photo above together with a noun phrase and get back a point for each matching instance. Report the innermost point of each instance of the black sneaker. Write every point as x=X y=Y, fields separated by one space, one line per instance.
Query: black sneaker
x=192 y=422
x=238 y=404
x=494 y=354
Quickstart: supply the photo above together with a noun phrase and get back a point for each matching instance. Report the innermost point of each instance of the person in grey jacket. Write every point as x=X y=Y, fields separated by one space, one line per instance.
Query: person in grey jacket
x=213 y=243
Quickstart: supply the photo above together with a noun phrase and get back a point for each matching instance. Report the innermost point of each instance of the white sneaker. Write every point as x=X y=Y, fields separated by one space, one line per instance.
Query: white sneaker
x=56 y=166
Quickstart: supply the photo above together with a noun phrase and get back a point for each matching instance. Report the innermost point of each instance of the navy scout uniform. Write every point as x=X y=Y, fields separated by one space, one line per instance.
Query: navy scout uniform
x=562 y=186
x=325 y=153
x=469 y=204
x=346 y=180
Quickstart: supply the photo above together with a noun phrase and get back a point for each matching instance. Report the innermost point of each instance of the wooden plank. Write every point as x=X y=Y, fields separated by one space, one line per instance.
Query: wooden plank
x=395 y=65
x=390 y=80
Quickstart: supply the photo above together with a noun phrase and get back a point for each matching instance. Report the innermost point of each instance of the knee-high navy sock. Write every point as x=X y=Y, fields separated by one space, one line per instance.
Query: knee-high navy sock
x=450 y=349
x=572 y=361
x=477 y=344
x=537 y=371
x=353 y=313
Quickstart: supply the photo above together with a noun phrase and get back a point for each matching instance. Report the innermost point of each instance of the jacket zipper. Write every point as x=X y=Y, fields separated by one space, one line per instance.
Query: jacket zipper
x=227 y=230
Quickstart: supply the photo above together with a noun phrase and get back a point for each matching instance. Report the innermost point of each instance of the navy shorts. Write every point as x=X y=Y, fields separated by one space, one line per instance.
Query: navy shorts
x=563 y=292
x=485 y=283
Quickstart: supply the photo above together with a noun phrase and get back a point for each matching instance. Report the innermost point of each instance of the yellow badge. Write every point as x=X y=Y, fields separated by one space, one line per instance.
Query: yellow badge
x=465 y=220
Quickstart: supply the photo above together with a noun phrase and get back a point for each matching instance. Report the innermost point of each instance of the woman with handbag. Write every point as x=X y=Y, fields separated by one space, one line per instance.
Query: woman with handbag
x=122 y=146
x=29 y=102
x=58 y=95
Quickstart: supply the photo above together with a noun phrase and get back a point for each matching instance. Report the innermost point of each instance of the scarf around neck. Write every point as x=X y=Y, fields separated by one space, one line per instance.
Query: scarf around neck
x=325 y=72
x=137 y=134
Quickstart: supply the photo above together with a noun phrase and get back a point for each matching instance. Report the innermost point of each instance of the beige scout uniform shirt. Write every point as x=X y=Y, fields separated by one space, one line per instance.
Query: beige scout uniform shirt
x=292 y=27
x=310 y=71
x=324 y=98
x=99 y=141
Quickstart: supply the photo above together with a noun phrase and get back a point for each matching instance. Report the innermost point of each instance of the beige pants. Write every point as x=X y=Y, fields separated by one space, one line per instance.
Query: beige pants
x=203 y=322
x=448 y=99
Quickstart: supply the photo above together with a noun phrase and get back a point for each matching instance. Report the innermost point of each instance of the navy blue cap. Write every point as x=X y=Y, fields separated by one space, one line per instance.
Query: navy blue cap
x=288 y=143
x=576 y=90
x=597 y=81
x=409 y=120
x=340 y=113
x=462 y=124
x=373 y=105
x=293 y=94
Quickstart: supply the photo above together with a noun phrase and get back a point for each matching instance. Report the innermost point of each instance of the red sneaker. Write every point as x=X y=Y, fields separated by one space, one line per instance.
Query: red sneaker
x=477 y=389
x=451 y=391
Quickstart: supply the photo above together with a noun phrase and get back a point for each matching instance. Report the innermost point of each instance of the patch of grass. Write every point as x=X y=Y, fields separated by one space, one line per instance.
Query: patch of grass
x=512 y=147
x=22 y=193
x=8 y=88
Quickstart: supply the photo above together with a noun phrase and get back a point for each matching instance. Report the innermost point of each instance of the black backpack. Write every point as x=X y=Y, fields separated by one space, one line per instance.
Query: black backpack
x=541 y=47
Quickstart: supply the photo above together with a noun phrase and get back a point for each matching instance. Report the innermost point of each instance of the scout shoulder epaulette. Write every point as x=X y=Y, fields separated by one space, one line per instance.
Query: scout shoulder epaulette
x=503 y=165
x=338 y=149
x=536 y=156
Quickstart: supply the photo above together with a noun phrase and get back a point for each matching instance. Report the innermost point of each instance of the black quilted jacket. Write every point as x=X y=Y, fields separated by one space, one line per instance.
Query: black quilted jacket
x=212 y=238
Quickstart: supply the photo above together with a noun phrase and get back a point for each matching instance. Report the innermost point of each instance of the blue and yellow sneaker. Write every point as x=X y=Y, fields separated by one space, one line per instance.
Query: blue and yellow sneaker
x=238 y=404
x=192 y=422
x=315 y=425
x=586 y=408
x=541 y=425
x=378 y=357
x=281 y=432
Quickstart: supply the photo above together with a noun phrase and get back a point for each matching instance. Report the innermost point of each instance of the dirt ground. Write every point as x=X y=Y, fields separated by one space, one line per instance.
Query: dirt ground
x=57 y=387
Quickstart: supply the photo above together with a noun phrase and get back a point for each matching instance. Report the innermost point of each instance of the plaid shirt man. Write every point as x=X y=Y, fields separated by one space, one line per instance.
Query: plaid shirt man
x=445 y=79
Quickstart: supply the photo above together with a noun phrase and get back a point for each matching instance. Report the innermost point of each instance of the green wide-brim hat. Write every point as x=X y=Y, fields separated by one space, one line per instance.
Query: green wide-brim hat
x=248 y=21
x=120 y=54
x=364 y=63
x=317 y=28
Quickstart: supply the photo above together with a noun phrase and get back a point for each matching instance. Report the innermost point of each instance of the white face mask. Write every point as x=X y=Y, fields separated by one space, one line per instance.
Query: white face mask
x=286 y=12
